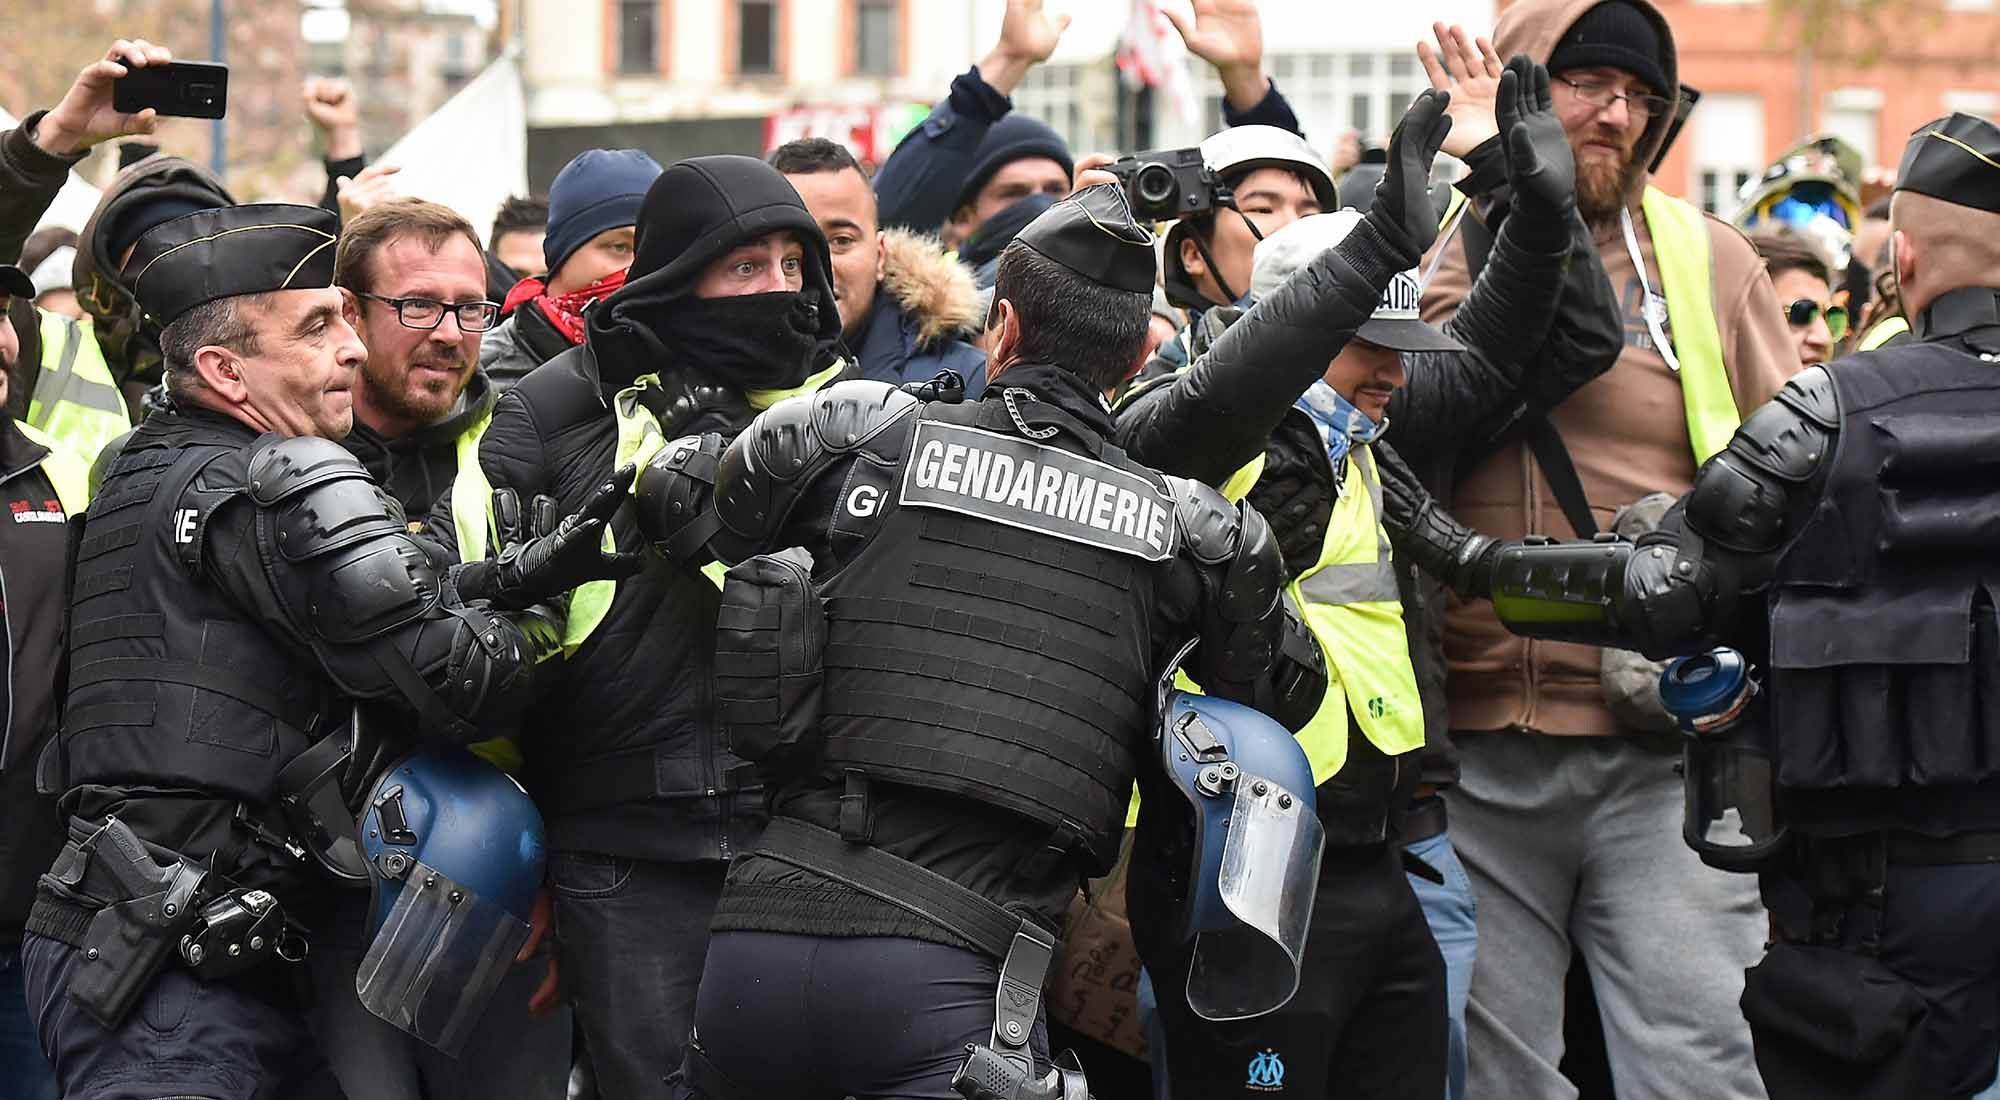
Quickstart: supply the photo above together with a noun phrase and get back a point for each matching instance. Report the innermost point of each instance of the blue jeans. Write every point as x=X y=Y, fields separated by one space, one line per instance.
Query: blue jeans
x=24 y=1072
x=1450 y=909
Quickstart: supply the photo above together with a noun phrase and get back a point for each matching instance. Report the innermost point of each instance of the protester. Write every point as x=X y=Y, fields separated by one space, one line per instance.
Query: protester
x=516 y=240
x=415 y=281
x=335 y=113
x=1275 y=179
x=45 y=484
x=1560 y=815
x=1803 y=281
x=904 y=304
x=729 y=307
x=593 y=204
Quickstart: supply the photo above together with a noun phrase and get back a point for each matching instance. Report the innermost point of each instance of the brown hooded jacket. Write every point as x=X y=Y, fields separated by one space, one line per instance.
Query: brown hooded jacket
x=1626 y=431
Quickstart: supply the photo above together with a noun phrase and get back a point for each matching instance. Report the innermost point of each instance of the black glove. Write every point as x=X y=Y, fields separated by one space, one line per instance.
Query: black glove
x=557 y=556
x=1402 y=213
x=1540 y=166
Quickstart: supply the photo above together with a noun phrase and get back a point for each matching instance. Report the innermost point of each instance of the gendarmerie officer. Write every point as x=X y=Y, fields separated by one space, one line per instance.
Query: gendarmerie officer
x=949 y=679
x=241 y=589
x=1845 y=540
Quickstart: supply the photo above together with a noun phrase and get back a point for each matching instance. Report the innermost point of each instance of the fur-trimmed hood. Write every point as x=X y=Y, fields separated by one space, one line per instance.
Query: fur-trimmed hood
x=934 y=290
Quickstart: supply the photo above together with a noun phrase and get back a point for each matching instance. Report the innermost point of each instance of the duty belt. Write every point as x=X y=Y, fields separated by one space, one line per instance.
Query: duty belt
x=1023 y=947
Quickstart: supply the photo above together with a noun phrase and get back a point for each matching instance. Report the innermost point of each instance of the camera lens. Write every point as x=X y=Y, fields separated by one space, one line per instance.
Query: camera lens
x=1154 y=184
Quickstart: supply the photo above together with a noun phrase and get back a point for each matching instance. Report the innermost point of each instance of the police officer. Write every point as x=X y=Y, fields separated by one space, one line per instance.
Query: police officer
x=1844 y=538
x=242 y=589
x=949 y=682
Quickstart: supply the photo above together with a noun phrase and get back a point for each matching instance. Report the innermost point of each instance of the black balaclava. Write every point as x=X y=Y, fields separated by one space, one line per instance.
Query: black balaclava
x=695 y=213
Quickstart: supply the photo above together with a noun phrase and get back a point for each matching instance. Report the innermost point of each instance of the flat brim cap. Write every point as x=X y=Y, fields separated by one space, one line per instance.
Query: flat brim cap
x=230 y=252
x=1396 y=323
x=1094 y=234
x=1956 y=159
x=15 y=282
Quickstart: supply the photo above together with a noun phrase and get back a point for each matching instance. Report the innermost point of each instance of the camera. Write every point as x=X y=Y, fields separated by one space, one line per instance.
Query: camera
x=1170 y=183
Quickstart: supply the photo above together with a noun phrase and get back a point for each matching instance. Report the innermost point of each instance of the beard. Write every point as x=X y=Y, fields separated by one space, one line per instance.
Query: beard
x=425 y=398
x=1603 y=184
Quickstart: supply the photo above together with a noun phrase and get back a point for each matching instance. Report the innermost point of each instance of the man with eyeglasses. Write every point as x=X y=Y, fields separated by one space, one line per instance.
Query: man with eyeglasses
x=1804 y=283
x=414 y=279
x=1567 y=812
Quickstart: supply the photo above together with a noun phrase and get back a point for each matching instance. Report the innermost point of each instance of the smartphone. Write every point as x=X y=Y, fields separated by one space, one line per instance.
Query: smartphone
x=1690 y=95
x=189 y=89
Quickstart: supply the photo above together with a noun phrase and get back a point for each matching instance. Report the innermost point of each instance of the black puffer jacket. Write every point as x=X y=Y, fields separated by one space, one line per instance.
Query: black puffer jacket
x=623 y=755
x=1236 y=401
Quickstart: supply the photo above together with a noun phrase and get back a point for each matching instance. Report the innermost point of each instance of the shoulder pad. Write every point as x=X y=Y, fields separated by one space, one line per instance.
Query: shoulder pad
x=1811 y=394
x=317 y=499
x=847 y=414
x=1210 y=526
x=1781 y=440
x=281 y=468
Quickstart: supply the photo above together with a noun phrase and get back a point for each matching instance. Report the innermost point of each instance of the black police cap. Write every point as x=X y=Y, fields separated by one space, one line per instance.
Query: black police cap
x=228 y=252
x=1094 y=234
x=1956 y=159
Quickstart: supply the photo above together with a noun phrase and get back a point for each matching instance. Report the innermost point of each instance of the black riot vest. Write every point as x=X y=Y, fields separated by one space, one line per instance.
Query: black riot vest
x=996 y=637
x=1884 y=650
x=172 y=687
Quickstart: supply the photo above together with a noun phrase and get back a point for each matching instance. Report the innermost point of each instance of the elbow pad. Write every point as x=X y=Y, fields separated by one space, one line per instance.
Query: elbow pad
x=673 y=495
x=495 y=659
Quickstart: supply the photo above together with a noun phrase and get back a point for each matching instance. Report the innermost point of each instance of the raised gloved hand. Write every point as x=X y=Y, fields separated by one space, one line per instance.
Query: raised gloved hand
x=1540 y=166
x=1402 y=213
x=556 y=556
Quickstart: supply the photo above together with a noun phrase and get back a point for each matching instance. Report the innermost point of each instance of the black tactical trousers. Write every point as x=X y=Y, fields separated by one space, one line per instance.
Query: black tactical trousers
x=1885 y=1001
x=821 y=1018
x=1368 y=1019
x=242 y=1039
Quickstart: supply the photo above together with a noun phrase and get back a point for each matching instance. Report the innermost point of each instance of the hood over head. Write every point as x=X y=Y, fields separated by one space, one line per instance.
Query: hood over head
x=131 y=343
x=694 y=214
x=1536 y=27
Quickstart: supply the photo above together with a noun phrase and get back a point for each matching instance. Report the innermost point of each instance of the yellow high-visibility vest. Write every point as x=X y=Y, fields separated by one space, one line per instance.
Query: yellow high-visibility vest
x=76 y=400
x=1350 y=601
x=68 y=473
x=1882 y=332
x=1681 y=250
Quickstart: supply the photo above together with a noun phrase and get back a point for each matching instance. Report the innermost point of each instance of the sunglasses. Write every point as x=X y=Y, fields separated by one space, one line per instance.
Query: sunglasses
x=1802 y=312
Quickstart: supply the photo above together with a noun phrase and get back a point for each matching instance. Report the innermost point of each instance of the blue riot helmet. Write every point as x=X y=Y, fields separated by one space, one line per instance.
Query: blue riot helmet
x=1248 y=787
x=455 y=857
x=1732 y=819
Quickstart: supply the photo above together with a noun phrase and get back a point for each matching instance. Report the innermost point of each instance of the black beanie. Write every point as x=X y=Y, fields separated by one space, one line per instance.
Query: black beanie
x=1617 y=35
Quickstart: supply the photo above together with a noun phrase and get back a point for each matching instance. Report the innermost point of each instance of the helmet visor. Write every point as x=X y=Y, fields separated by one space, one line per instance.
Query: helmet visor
x=437 y=958
x=1270 y=867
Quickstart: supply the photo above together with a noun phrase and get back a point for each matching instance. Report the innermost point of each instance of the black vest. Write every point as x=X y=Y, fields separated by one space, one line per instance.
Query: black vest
x=1885 y=658
x=173 y=689
x=996 y=637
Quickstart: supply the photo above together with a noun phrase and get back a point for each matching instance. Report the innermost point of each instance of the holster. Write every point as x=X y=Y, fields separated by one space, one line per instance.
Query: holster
x=770 y=641
x=147 y=907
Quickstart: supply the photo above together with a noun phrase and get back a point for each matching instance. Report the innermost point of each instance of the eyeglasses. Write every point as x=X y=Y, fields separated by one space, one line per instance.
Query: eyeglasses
x=1600 y=96
x=425 y=314
x=1802 y=312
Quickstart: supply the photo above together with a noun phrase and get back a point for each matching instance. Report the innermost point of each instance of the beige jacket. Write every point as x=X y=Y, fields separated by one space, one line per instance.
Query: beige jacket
x=1626 y=431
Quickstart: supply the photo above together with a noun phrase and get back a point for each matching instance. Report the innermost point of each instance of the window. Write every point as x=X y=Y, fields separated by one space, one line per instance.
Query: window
x=875 y=26
x=1728 y=149
x=757 y=37
x=638 y=36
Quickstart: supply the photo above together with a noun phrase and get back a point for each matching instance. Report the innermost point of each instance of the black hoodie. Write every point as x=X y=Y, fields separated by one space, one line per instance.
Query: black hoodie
x=631 y=763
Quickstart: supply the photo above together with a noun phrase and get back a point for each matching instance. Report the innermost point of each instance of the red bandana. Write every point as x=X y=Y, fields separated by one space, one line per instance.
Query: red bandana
x=565 y=311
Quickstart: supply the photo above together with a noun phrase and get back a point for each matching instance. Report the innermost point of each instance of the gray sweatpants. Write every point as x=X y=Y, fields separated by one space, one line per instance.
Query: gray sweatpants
x=1575 y=843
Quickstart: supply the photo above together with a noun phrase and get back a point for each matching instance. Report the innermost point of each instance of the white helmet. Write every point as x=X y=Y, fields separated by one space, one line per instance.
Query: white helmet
x=1232 y=154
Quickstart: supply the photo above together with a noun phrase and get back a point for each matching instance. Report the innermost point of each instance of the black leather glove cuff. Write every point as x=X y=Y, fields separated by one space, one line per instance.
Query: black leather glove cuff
x=1486 y=169
x=1377 y=252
